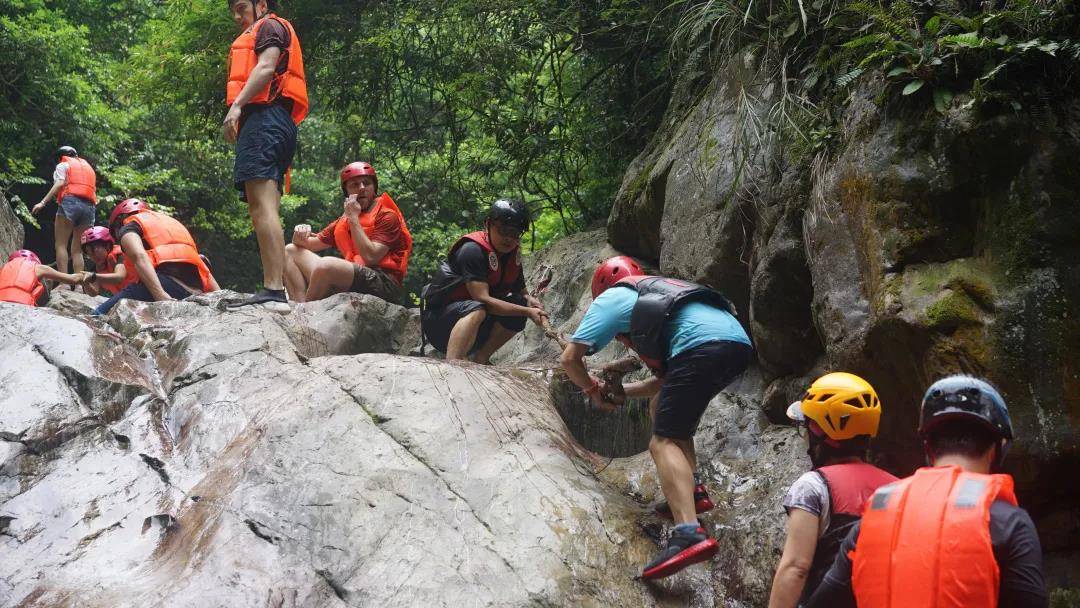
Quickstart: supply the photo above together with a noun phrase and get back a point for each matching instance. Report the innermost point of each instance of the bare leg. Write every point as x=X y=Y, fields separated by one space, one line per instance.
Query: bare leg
x=329 y=276
x=676 y=476
x=686 y=445
x=77 y=261
x=62 y=230
x=464 y=334
x=499 y=336
x=299 y=264
x=264 y=202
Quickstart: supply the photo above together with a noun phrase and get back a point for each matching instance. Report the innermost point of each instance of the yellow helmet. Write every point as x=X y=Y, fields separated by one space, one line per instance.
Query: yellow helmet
x=844 y=405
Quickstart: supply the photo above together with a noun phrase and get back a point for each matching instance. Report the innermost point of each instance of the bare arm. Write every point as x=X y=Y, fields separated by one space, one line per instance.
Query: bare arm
x=45 y=199
x=134 y=251
x=794 y=566
x=371 y=251
x=573 y=363
x=46 y=272
x=258 y=79
x=479 y=291
x=644 y=388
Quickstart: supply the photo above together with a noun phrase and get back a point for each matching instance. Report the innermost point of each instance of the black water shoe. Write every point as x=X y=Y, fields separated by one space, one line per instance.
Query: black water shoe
x=687 y=546
x=270 y=299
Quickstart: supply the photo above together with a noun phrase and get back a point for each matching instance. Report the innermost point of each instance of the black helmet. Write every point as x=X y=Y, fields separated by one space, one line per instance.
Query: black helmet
x=510 y=212
x=966 y=398
x=66 y=151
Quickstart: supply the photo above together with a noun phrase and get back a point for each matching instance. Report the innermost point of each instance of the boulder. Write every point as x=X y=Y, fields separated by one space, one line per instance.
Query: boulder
x=11 y=229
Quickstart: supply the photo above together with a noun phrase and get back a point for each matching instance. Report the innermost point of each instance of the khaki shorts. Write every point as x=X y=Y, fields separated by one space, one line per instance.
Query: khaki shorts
x=375 y=282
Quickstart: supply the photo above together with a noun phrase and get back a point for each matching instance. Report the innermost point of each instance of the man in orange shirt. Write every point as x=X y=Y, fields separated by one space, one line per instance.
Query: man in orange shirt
x=371 y=236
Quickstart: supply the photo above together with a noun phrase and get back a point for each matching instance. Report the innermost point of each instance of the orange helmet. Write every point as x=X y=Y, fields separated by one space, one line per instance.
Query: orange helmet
x=844 y=405
x=611 y=271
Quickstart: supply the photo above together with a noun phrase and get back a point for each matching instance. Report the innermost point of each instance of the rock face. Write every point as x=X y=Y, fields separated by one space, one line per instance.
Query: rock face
x=922 y=246
x=173 y=454
x=11 y=230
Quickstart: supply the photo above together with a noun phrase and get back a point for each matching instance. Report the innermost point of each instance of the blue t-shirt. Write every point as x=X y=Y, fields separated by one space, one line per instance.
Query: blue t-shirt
x=694 y=324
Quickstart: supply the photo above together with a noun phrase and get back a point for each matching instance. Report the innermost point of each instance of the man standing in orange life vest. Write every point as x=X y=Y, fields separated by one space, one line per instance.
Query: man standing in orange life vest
x=951 y=535
x=158 y=250
x=839 y=414
x=21 y=279
x=75 y=188
x=267 y=97
x=371 y=236
x=477 y=299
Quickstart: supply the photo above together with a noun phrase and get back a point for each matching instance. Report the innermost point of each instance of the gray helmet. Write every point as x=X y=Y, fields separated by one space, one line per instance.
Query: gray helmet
x=511 y=213
x=968 y=399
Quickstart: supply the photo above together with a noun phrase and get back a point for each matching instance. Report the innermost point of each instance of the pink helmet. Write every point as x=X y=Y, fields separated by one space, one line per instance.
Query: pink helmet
x=24 y=253
x=358 y=168
x=130 y=205
x=612 y=271
x=96 y=234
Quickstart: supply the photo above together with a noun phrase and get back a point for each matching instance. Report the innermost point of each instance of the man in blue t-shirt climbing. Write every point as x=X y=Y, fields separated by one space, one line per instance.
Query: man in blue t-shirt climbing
x=688 y=336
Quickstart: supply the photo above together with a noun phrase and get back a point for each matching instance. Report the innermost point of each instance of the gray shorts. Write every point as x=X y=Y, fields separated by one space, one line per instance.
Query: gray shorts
x=375 y=282
x=79 y=211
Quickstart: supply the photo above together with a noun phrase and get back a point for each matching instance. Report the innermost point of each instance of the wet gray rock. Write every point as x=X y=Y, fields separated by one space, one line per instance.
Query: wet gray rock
x=242 y=472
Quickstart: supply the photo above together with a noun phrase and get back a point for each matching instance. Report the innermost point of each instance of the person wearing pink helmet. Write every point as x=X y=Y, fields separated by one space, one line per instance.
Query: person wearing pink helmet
x=689 y=337
x=109 y=272
x=371 y=236
x=160 y=256
x=22 y=279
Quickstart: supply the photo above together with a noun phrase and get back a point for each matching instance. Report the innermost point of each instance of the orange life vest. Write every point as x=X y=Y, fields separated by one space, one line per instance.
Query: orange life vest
x=934 y=550
x=111 y=262
x=396 y=261
x=19 y=282
x=81 y=180
x=167 y=241
x=290 y=83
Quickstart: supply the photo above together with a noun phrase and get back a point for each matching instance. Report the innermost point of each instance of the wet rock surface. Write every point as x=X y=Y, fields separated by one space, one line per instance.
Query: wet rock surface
x=11 y=230
x=212 y=462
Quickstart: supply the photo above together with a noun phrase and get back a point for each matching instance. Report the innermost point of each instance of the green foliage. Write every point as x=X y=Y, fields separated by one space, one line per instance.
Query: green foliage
x=456 y=102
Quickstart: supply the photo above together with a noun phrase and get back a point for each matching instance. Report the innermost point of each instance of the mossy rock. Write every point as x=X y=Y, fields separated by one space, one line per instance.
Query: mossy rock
x=951 y=311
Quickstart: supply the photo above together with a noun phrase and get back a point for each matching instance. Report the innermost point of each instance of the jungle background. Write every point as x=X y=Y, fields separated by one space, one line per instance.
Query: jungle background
x=457 y=102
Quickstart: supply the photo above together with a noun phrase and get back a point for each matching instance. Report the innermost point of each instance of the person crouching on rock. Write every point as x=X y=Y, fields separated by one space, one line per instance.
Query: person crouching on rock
x=21 y=279
x=158 y=250
x=839 y=413
x=952 y=533
x=477 y=300
x=109 y=273
x=371 y=235
x=688 y=336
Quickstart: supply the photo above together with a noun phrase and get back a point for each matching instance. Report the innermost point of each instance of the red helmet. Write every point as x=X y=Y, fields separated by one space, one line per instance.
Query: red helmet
x=358 y=168
x=129 y=205
x=24 y=253
x=612 y=271
x=97 y=234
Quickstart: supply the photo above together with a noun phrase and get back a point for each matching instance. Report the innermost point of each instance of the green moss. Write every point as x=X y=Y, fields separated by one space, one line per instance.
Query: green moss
x=976 y=288
x=951 y=311
x=640 y=183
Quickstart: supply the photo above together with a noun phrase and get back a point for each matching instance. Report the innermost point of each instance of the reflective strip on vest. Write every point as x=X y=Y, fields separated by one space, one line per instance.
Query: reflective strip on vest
x=291 y=83
x=81 y=180
x=19 y=283
x=924 y=541
x=396 y=261
x=167 y=240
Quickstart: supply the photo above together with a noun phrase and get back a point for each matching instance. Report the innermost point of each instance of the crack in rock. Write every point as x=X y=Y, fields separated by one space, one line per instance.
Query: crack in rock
x=158 y=467
x=257 y=529
x=338 y=589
